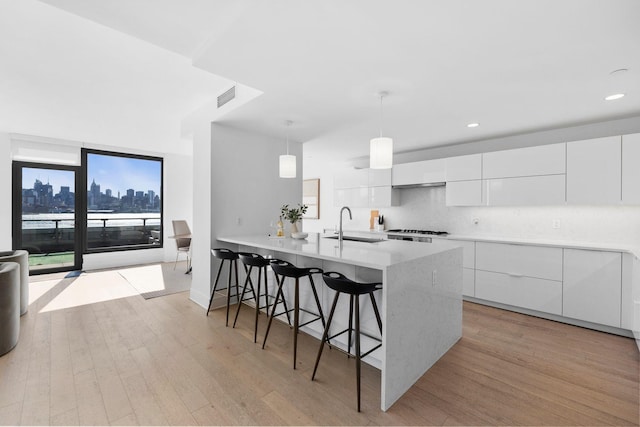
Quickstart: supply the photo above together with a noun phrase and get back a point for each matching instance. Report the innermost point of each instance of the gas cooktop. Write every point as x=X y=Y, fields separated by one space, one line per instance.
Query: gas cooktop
x=413 y=231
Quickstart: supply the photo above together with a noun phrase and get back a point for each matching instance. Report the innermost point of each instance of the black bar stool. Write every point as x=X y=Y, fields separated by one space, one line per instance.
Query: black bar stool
x=254 y=260
x=285 y=269
x=224 y=254
x=343 y=285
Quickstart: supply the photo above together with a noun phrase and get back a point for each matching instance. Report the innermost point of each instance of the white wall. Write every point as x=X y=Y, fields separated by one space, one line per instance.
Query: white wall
x=246 y=193
x=201 y=230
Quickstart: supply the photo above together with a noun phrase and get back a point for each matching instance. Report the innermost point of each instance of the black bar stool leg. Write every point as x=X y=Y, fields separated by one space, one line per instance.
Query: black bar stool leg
x=296 y=319
x=215 y=285
x=325 y=334
x=284 y=301
x=266 y=290
x=351 y=298
x=255 y=323
x=357 y=332
x=247 y=280
x=273 y=310
x=229 y=287
x=315 y=295
x=375 y=310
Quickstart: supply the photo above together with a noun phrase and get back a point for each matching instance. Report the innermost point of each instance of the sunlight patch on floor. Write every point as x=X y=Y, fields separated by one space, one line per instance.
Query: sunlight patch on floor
x=147 y=278
x=91 y=288
x=37 y=289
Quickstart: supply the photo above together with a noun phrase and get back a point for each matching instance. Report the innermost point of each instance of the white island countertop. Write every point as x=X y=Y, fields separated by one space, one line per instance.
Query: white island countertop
x=373 y=255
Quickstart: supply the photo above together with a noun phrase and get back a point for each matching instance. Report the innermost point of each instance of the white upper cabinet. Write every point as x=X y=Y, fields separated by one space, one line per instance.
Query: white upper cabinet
x=525 y=191
x=531 y=161
x=364 y=188
x=631 y=169
x=351 y=179
x=464 y=168
x=464 y=185
x=464 y=193
x=379 y=177
x=594 y=171
x=425 y=172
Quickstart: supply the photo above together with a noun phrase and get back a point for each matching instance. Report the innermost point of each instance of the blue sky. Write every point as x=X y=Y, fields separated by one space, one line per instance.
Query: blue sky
x=122 y=173
x=115 y=173
x=56 y=178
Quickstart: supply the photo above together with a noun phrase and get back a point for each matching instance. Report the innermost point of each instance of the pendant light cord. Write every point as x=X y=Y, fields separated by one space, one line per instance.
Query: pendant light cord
x=287 y=133
x=381 y=96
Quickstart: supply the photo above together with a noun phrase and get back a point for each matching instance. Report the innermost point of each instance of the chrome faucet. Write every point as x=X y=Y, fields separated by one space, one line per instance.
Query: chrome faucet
x=340 y=231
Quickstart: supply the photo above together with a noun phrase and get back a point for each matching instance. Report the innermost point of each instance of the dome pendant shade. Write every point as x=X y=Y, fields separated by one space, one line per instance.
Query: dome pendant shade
x=381 y=154
x=287 y=166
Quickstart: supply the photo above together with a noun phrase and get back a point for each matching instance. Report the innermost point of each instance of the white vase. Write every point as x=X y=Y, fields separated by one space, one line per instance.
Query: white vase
x=294 y=227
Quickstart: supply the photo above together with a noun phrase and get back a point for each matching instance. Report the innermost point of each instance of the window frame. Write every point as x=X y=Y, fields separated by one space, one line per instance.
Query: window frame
x=85 y=202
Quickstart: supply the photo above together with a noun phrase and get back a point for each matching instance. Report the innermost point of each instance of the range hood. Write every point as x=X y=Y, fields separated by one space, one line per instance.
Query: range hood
x=426 y=184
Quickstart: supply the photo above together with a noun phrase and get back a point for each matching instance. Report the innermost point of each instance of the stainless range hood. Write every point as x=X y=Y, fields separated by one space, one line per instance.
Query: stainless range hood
x=428 y=184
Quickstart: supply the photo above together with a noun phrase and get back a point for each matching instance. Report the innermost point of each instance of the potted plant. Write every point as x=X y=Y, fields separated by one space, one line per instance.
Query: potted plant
x=293 y=215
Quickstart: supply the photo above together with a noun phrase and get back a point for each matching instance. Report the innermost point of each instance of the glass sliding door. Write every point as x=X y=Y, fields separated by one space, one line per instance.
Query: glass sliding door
x=46 y=206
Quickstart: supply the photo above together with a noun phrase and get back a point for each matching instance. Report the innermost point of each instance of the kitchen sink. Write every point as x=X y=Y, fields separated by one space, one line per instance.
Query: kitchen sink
x=357 y=239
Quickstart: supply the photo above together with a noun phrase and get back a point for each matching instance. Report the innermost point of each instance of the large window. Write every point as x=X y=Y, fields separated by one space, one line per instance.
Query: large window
x=123 y=208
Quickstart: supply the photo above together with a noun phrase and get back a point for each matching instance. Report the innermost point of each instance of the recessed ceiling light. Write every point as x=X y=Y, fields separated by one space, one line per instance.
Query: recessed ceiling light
x=614 y=96
x=473 y=125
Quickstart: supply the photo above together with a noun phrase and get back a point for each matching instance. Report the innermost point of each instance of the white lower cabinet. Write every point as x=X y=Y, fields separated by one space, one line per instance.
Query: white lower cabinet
x=520 y=275
x=468 y=264
x=592 y=286
x=541 y=262
x=468 y=282
x=521 y=291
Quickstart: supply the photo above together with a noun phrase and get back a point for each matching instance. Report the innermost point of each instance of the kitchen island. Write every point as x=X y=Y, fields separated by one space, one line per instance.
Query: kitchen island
x=421 y=305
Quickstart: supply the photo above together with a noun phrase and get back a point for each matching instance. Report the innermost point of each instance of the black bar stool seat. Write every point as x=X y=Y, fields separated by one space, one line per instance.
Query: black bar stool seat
x=343 y=285
x=224 y=254
x=252 y=260
x=284 y=269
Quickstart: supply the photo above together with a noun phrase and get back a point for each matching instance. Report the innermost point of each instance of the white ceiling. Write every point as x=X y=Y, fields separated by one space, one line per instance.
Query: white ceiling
x=65 y=77
x=512 y=66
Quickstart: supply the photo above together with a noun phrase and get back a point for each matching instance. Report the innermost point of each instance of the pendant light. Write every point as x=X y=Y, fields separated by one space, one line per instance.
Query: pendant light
x=381 y=154
x=287 y=161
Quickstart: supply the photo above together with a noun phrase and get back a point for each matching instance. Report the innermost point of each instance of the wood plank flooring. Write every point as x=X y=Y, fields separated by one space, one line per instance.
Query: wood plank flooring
x=131 y=361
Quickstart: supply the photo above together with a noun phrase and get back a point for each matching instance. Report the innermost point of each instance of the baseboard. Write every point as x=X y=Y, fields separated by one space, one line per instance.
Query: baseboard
x=556 y=318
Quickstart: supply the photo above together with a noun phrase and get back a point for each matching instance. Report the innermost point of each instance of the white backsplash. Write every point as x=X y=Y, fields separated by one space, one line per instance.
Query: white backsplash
x=424 y=208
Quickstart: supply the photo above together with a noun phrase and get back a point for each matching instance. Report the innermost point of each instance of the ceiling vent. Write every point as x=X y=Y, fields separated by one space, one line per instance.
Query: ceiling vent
x=227 y=96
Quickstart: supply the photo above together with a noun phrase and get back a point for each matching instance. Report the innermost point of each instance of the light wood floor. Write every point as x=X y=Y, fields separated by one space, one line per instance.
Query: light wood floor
x=162 y=361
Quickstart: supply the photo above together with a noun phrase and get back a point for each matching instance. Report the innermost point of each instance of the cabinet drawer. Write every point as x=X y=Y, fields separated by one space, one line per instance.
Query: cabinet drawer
x=541 y=160
x=520 y=260
x=532 y=190
x=527 y=292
